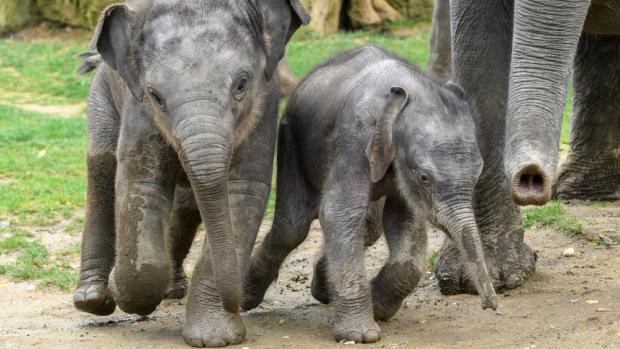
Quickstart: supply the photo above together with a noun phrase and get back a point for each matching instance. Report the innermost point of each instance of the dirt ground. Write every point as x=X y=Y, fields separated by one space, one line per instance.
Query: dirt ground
x=571 y=302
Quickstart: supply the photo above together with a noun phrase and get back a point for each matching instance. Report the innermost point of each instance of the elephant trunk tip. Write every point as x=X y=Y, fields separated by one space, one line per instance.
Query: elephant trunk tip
x=489 y=301
x=488 y=295
x=531 y=185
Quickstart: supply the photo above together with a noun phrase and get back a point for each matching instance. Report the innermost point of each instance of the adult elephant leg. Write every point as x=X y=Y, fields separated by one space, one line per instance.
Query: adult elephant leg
x=592 y=170
x=207 y=322
x=97 y=253
x=439 y=63
x=401 y=273
x=147 y=169
x=182 y=225
x=481 y=45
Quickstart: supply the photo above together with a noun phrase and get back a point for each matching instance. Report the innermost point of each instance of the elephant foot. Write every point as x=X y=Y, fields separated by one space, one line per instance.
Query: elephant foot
x=385 y=311
x=585 y=182
x=93 y=297
x=320 y=283
x=216 y=328
x=257 y=281
x=509 y=265
x=178 y=286
x=383 y=308
x=135 y=297
x=358 y=330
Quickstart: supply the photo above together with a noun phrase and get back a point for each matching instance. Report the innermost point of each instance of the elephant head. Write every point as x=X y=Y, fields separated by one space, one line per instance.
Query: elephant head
x=545 y=38
x=429 y=137
x=203 y=71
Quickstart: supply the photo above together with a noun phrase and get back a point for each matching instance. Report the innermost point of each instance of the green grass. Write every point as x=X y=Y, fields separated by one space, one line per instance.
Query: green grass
x=34 y=262
x=17 y=241
x=42 y=166
x=565 y=135
x=306 y=50
x=42 y=72
x=430 y=261
x=598 y=204
x=552 y=215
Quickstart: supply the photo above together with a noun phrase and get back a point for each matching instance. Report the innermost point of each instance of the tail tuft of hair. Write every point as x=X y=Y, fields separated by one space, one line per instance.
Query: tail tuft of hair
x=91 y=61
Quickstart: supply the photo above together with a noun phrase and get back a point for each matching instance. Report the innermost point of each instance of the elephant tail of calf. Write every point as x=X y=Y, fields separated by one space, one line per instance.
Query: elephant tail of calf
x=90 y=62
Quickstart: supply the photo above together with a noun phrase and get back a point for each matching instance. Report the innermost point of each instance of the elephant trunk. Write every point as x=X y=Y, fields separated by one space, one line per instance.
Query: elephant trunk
x=205 y=144
x=458 y=219
x=545 y=38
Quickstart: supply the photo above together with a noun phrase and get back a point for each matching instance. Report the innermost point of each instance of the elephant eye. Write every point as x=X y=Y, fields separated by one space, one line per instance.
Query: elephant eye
x=424 y=178
x=241 y=86
x=156 y=97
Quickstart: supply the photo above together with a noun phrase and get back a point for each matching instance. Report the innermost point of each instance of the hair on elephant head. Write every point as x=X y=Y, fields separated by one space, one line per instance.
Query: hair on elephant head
x=203 y=70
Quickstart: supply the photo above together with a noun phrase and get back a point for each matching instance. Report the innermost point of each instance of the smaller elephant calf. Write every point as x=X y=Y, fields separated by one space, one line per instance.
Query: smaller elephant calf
x=367 y=132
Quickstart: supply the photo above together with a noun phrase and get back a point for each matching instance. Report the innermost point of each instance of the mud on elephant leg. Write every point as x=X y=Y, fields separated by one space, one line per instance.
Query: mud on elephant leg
x=146 y=177
x=592 y=170
x=510 y=261
x=374 y=230
x=97 y=253
x=182 y=225
x=406 y=240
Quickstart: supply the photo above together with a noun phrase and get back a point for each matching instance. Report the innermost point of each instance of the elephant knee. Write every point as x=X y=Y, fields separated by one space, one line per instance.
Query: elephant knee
x=139 y=291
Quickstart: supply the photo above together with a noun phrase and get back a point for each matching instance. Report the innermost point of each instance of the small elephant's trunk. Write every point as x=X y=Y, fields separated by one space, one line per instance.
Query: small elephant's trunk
x=204 y=149
x=460 y=223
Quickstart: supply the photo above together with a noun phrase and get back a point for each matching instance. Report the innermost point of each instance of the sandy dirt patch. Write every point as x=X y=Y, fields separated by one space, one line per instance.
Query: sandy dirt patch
x=569 y=303
x=63 y=110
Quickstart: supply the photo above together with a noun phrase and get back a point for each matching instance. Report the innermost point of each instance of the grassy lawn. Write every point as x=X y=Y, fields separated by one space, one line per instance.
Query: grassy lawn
x=43 y=136
x=552 y=215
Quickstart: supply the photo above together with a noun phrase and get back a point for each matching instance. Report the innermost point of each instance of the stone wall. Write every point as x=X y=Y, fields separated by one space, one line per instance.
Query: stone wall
x=77 y=13
x=15 y=14
x=326 y=14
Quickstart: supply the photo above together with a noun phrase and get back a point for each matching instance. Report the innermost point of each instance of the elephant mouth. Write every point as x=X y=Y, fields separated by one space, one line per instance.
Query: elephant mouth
x=531 y=185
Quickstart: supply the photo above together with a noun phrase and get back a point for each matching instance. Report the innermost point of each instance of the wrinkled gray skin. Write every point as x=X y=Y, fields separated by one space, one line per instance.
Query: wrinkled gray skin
x=362 y=128
x=514 y=59
x=439 y=62
x=183 y=99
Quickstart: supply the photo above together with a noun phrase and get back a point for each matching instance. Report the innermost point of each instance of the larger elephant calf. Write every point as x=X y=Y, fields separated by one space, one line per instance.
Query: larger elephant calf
x=185 y=98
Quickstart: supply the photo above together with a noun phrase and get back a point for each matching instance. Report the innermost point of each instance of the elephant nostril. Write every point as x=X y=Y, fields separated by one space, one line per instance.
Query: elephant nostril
x=524 y=182
x=530 y=186
x=538 y=183
x=529 y=182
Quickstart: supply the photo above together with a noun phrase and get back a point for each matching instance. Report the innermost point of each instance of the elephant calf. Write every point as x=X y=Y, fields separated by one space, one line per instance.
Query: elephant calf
x=184 y=99
x=362 y=127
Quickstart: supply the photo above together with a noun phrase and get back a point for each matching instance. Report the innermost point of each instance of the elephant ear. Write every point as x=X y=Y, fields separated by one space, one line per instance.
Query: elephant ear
x=380 y=151
x=112 y=40
x=282 y=18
